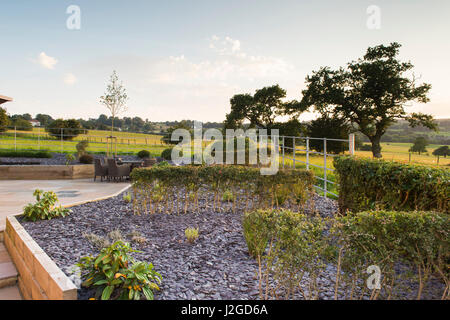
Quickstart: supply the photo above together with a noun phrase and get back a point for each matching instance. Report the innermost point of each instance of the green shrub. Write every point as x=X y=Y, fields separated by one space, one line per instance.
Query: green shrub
x=81 y=148
x=25 y=154
x=143 y=154
x=167 y=154
x=367 y=184
x=69 y=158
x=116 y=275
x=168 y=180
x=86 y=159
x=382 y=238
x=127 y=197
x=191 y=234
x=44 y=208
x=287 y=246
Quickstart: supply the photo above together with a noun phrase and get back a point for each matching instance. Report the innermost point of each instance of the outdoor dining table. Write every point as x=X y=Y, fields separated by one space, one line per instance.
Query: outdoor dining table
x=132 y=163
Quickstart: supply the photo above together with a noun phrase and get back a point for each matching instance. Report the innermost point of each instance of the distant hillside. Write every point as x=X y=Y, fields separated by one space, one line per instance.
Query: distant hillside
x=402 y=132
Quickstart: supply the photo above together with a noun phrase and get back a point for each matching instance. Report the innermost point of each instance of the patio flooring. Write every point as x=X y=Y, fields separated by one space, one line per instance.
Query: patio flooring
x=15 y=194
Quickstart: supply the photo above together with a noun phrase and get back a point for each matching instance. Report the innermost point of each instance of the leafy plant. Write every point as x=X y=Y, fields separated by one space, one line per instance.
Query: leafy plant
x=69 y=159
x=191 y=234
x=44 y=208
x=127 y=197
x=116 y=275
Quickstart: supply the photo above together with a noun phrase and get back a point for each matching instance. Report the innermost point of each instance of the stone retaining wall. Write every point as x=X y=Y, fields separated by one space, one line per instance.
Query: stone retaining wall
x=46 y=172
x=39 y=277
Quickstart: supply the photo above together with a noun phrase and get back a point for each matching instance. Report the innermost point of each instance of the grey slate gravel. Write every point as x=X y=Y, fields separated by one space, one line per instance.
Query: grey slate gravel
x=217 y=266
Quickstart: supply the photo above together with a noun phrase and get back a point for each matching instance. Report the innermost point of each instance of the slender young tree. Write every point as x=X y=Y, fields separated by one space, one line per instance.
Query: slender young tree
x=370 y=93
x=115 y=98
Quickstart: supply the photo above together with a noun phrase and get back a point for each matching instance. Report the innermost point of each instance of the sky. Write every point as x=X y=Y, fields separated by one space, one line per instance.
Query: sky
x=186 y=59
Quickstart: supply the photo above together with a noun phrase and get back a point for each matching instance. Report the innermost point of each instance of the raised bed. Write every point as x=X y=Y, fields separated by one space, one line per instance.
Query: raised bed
x=46 y=172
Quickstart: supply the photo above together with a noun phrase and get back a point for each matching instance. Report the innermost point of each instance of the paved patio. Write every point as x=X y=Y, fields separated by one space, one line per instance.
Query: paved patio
x=15 y=194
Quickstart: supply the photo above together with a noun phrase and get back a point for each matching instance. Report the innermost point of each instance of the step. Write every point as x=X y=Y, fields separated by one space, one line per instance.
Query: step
x=8 y=272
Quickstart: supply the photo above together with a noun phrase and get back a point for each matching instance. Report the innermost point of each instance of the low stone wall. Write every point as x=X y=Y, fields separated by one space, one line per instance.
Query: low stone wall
x=46 y=172
x=39 y=277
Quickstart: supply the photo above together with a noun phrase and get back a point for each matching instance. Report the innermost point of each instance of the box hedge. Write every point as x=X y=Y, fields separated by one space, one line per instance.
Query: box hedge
x=367 y=184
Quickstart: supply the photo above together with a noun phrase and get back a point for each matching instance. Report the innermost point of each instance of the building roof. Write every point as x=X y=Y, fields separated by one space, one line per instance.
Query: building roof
x=4 y=99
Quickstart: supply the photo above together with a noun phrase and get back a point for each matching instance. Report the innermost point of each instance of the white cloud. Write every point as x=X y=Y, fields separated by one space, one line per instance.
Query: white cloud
x=70 y=79
x=46 y=61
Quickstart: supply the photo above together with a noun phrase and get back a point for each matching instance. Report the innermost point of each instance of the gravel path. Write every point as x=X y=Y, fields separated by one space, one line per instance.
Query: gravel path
x=217 y=266
x=56 y=159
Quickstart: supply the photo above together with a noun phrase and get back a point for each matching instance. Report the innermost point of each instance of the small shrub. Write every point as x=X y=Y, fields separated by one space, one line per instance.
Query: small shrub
x=116 y=275
x=115 y=235
x=69 y=159
x=167 y=154
x=97 y=241
x=191 y=234
x=143 y=154
x=44 y=208
x=228 y=196
x=81 y=147
x=86 y=159
x=127 y=197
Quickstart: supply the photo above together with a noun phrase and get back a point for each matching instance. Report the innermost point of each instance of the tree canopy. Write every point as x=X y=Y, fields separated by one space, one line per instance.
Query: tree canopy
x=260 y=109
x=370 y=93
x=419 y=145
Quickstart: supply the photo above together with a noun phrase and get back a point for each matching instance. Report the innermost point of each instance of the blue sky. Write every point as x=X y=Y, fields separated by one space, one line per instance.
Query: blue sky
x=186 y=59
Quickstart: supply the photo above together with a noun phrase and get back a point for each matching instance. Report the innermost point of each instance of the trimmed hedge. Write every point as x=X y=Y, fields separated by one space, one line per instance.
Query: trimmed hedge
x=159 y=183
x=418 y=239
x=25 y=154
x=367 y=184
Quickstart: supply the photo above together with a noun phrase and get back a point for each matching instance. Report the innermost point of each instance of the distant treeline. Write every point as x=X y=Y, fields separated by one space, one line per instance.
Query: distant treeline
x=399 y=132
x=402 y=132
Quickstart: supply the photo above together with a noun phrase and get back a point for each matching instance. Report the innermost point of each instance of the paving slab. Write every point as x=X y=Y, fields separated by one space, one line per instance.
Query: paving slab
x=10 y=293
x=15 y=194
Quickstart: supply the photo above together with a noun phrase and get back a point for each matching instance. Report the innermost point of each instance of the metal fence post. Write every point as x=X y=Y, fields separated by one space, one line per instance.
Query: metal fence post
x=351 y=144
x=283 y=152
x=39 y=138
x=62 y=143
x=15 y=138
x=307 y=153
x=325 y=166
x=294 y=150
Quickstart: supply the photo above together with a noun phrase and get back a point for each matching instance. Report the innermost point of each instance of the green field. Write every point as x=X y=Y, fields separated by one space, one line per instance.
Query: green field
x=131 y=143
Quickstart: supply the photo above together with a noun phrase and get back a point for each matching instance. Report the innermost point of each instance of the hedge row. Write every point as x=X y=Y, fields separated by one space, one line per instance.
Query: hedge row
x=367 y=184
x=25 y=154
x=158 y=185
x=289 y=245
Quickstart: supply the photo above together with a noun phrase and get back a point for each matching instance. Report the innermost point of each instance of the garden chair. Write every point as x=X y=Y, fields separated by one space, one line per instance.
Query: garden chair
x=101 y=170
x=116 y=171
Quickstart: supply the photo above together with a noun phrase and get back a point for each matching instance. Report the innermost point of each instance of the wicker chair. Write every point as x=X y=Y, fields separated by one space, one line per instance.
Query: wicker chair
x=116 y=171
x=101 y=170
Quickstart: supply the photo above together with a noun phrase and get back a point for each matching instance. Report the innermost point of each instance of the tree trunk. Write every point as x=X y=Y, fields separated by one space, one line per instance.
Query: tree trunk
x=376 y=147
